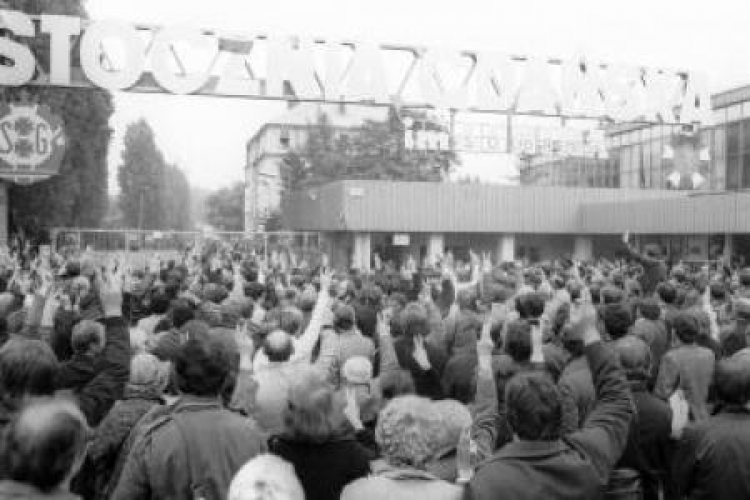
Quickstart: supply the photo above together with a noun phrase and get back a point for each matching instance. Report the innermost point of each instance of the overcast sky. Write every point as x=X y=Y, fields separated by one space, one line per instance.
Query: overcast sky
x=206 y=136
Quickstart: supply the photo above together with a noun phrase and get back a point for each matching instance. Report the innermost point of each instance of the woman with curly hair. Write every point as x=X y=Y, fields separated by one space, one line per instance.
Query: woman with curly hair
x=318 y=439
x=409 y=433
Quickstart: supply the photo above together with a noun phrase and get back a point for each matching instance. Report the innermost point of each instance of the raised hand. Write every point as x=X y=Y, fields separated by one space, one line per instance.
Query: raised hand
x=326 y=280
x=420 y=353
x=351 y=410
x=485 y=346
x=384 y=322
x=583 y=318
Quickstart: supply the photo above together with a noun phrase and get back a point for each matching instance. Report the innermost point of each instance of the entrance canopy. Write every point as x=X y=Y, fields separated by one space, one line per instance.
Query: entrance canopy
x=54 y=50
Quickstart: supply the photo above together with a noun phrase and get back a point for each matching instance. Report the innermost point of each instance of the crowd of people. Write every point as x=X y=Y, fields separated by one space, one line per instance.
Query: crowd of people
x=218 y=375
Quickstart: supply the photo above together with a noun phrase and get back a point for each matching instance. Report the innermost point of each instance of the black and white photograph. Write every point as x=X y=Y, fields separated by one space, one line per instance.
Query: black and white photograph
x=374 y=249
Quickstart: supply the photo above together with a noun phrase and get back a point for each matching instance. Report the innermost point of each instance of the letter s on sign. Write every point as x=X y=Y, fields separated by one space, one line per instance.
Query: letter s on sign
x=91 y=55
x=22 y=70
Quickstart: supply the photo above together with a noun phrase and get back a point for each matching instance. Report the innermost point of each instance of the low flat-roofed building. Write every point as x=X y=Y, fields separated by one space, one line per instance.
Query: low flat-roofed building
x=398 y=219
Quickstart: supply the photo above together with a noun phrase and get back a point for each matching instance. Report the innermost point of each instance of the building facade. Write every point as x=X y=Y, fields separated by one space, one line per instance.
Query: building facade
x=264 y=176
x=534 y=223
x=644 y=157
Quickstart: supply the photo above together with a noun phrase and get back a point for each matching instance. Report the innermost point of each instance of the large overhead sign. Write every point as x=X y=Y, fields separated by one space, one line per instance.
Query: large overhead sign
x=183 y=60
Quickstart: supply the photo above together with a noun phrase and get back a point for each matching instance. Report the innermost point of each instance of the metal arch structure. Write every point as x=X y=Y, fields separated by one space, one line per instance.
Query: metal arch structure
x=260 y=66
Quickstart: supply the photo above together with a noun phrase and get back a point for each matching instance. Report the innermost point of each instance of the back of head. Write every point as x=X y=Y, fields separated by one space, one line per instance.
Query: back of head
x=87 y=336
x=571 y=341
x=148 y=372
x=315 y=410
x=686 y=327
x=266 y=477
x=290 y=320
x=307 y=299
x=182 y=312
x=408 y=432
x=635 y=357
x=203 y=365
x=278 y=346
x=617 y=320
x=649 y=309
x=518 y=341
x=414 y=318
x=530 y=306
x=343 y=318
x=45 y=444
x=733 y=379
x=27 y=368
x=534 y=406
x=667 y=293
x=396 y=383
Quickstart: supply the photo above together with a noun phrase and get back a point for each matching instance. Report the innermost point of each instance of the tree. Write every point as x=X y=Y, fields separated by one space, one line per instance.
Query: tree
x=176 y=199
x=376 y=151
x=225 y=208
x=141 y=178
x=78 y=195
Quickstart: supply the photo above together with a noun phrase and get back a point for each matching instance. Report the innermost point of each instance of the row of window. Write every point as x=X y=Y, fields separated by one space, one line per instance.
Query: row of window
x=648 y=164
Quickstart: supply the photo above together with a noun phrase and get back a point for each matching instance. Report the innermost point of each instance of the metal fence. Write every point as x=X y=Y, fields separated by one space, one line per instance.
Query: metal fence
x=305 y=245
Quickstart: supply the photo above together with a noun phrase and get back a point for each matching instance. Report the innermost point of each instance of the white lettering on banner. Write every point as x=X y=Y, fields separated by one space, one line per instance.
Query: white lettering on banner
x=581 y=83
x=22 y=70
x=61 y=29
x=366 y=79
x=494 y=82
x=93 y=52
x=473 y=137
x=292 y=62
x=537 y=93
x=164 y=50
x=433 y=82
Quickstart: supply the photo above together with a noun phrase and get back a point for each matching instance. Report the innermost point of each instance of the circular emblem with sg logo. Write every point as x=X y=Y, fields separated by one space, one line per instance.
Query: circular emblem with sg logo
x=32 y=143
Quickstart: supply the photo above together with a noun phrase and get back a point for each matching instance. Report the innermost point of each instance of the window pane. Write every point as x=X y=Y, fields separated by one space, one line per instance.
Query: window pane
x=733 y=139
x=734 y=112
x=733 y=172
x=746 y=170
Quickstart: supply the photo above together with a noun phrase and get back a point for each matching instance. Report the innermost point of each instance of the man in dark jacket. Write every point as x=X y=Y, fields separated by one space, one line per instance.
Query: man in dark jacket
x=649 y=448
x=712 y=459
x=193 y=448
x=112 y=366
x=654 y=268
x=88 y=341
x=539 y=463
x=29 y=367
